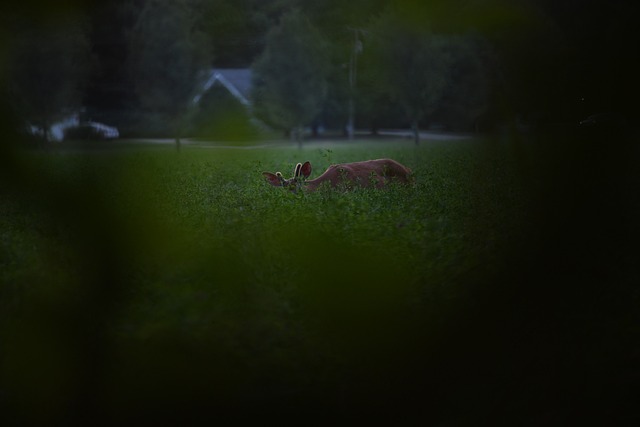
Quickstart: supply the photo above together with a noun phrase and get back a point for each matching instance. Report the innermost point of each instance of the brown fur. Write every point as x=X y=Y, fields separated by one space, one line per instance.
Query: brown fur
x=365 y=174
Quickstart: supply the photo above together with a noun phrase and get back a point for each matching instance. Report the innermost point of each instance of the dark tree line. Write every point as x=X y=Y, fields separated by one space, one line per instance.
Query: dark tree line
x=460 y=64
x=47 y=71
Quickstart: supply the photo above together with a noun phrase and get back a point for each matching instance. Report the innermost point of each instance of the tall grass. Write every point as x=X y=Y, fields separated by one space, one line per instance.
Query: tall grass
x=150 y=283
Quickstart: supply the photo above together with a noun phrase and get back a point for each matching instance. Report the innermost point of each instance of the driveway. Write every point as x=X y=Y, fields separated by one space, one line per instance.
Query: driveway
x=425 y=135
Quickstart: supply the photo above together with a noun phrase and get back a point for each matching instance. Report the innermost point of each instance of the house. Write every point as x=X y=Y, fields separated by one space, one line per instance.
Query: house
x=236 y=80
x=219 y=116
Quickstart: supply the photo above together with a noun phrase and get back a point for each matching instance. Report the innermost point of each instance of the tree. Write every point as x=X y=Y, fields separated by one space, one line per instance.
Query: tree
x=111 y=94
x=48 y=70
x=414 y=67
x=291 y=74
x=168 y=51
x=470 y=79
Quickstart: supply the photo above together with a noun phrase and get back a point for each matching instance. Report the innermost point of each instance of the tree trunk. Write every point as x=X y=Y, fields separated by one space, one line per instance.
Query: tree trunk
x=299 y=136
x=179 y=128
x=416 y=132
x=46 y=139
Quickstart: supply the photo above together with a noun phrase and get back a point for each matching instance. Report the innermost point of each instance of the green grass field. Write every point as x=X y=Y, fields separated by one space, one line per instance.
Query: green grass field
x=158 y=284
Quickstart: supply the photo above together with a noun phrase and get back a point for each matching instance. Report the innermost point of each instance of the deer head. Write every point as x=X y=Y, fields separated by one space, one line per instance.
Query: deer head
x=300 y=173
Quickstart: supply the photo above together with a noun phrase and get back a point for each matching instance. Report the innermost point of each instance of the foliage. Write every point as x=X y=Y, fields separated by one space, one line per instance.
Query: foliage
x=159 y=285
x=146 y=248
x=48 y=68
x=290 y=76
x=429 y=74
x=415 y=66
x=239 y=27
x=167 y=53
x=471 y=82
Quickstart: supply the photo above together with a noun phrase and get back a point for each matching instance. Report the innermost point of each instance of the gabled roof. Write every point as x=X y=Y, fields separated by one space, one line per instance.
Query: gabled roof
x=236 y=80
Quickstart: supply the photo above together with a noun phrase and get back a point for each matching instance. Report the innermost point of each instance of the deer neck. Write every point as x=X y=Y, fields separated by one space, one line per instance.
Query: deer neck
x=310 y=185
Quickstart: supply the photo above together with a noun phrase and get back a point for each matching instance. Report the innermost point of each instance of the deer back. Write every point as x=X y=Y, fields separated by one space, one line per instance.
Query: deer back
x=365 y=174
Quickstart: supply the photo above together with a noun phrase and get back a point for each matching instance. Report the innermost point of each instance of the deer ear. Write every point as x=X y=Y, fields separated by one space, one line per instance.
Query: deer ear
x=305 y=170
x=273 y=179
x=296 y=170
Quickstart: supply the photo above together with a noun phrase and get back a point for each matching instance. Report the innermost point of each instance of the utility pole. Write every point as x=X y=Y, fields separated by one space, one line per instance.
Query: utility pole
x=353 y=74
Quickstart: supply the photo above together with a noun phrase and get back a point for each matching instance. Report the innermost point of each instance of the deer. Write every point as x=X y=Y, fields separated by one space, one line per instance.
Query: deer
x=371 y=173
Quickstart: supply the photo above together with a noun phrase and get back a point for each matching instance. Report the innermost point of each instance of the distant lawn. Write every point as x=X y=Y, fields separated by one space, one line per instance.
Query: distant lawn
x=144 y=281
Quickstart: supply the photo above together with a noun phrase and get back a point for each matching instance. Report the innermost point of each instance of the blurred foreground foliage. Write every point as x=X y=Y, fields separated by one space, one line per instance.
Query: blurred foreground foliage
x=143 y=284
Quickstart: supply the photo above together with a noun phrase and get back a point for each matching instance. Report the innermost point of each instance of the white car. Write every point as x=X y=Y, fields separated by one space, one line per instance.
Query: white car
x=72 y=128
x=91 y=130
